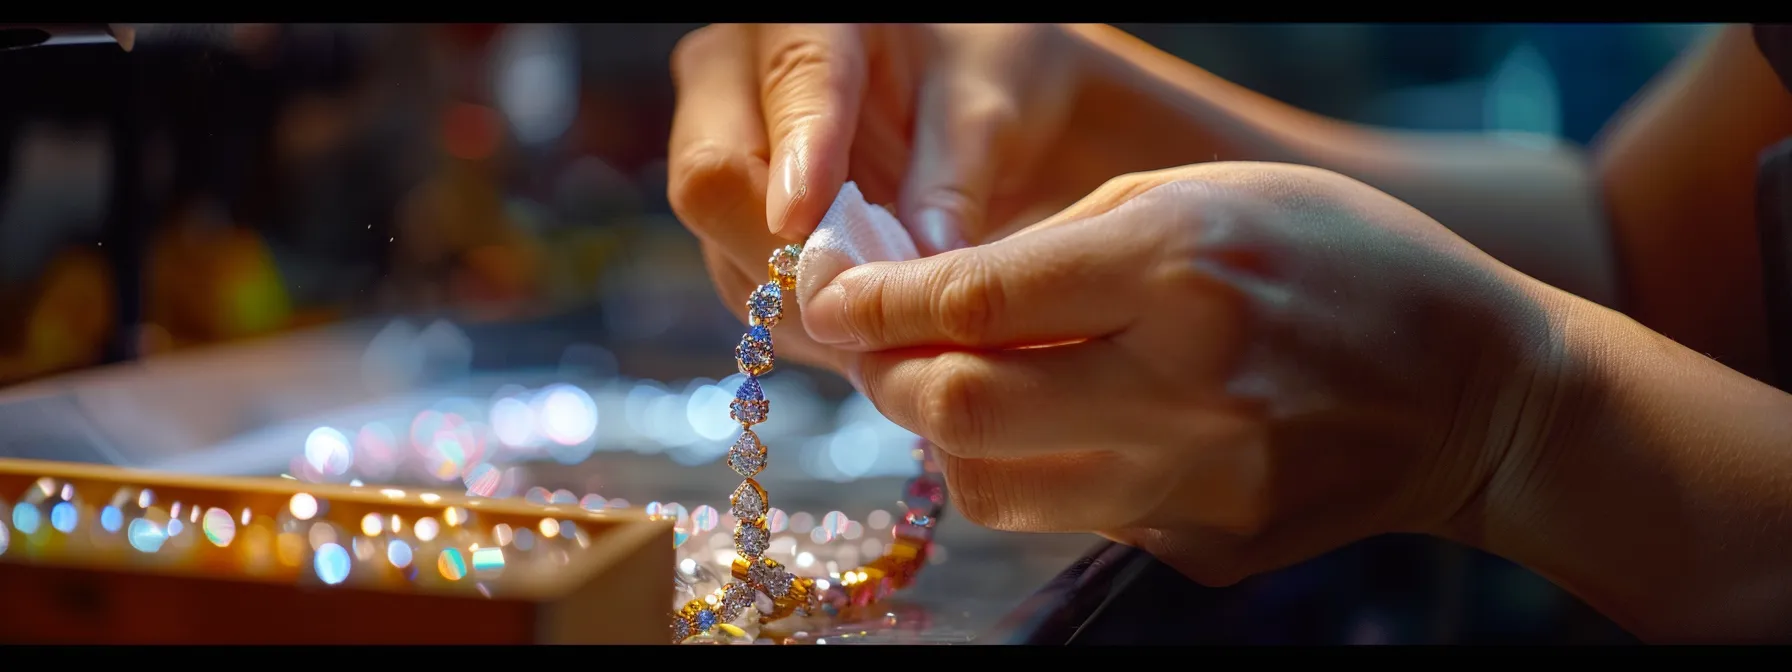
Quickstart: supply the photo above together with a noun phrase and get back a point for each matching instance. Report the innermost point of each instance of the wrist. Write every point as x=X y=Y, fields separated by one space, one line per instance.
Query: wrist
x=1645 y=479
x=1545 y=377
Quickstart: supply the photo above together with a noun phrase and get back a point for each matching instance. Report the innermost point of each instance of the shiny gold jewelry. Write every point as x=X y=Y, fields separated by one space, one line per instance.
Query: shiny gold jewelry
x=761 y=584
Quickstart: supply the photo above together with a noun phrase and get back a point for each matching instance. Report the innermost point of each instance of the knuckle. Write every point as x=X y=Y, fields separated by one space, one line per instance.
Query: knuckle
x=706 y=180
x=956 y=409
x=953 y=199
x=991 y=112
x=796 y=63
x=1178 y=270
x=969 y=299
x=1120 y=183
x=1131 y=185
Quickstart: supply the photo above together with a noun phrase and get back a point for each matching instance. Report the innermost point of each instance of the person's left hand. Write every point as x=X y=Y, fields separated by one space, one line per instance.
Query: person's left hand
x=1233 y=366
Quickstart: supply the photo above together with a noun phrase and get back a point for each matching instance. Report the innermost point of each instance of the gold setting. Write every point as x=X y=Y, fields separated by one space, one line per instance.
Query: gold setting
x=748 y=502
x=782 y=266
x=766 y=306
x=756 y=575
x=747 y=456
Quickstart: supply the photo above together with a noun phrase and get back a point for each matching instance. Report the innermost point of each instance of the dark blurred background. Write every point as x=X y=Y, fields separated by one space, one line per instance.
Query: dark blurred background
x=228 y=182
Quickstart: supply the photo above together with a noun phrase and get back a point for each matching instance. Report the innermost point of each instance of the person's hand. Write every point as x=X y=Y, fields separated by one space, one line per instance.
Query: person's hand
x=1235 y=366
x=948 y=123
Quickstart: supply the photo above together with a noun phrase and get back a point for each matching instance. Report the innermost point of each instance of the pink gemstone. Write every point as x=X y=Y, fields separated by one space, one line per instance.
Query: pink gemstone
x=924 y=494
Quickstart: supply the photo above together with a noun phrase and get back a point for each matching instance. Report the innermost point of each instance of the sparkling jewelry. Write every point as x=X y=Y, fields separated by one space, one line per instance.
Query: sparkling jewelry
x=762 y=587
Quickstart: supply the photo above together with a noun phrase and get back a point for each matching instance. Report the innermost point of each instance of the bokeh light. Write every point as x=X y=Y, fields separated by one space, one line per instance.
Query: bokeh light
x=568 y=415
x=398 y=553
x=146 y=536
x=426 y=529
x=451 y=565
x=26 y=518
x=303 y=506
x=513 y=422
x=218 y=526
x=63 y=517
x=328 y=451
x=332 y=563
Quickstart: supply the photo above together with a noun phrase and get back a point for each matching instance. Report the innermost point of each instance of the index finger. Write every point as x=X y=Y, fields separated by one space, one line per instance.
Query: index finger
x=716 y=158
x=812 y=78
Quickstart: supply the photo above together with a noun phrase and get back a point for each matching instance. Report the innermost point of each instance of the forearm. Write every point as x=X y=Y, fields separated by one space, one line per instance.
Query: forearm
x=1678 y=173
x=1534 y=208
x=1660 y=490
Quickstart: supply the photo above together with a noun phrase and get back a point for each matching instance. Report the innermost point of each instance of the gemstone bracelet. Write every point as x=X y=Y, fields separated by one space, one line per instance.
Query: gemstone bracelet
x=762 y=585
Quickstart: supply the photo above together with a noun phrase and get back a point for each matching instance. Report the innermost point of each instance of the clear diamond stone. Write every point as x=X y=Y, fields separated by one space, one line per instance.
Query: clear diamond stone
x=681 y=629
x=747 y=455
x=774 y=580
x=751 y=540
x=735 y=599
x=749 y=501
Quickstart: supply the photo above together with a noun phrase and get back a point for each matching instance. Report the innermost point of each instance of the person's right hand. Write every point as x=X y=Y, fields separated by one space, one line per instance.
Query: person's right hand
x=950 y=123
x=1271 y=362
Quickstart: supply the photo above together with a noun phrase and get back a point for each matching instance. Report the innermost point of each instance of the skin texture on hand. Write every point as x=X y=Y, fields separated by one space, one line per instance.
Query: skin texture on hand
x=1227 y=386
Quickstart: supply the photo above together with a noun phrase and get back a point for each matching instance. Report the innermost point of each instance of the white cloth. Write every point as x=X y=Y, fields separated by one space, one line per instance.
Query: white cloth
x=853 y=232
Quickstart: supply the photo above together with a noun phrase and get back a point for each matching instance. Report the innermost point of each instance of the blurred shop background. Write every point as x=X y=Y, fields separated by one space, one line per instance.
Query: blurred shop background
x=491 y=198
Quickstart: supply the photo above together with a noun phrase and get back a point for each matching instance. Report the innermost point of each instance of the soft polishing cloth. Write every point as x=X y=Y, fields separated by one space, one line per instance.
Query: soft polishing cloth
x=853 y=232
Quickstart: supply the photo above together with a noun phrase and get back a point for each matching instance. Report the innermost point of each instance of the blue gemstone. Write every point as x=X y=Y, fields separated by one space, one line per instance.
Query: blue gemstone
x=755 y=351
x=749 y=402
x=706 y=619
x=750 y=390
x=766 y=304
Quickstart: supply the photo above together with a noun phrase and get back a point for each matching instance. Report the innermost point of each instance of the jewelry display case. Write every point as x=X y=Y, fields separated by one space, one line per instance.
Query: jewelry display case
x=94 y=554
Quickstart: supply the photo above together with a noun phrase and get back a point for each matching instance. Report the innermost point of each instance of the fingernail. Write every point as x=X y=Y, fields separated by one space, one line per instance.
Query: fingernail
x=825 y=317
x=938 y=231
x=784 y=186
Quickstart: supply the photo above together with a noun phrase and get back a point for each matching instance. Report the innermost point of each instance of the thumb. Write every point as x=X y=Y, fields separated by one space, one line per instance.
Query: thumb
x=812 y=78
x=959 y=128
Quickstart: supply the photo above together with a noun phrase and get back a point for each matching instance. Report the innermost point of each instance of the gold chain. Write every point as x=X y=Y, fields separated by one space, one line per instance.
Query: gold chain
x=756 y=575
